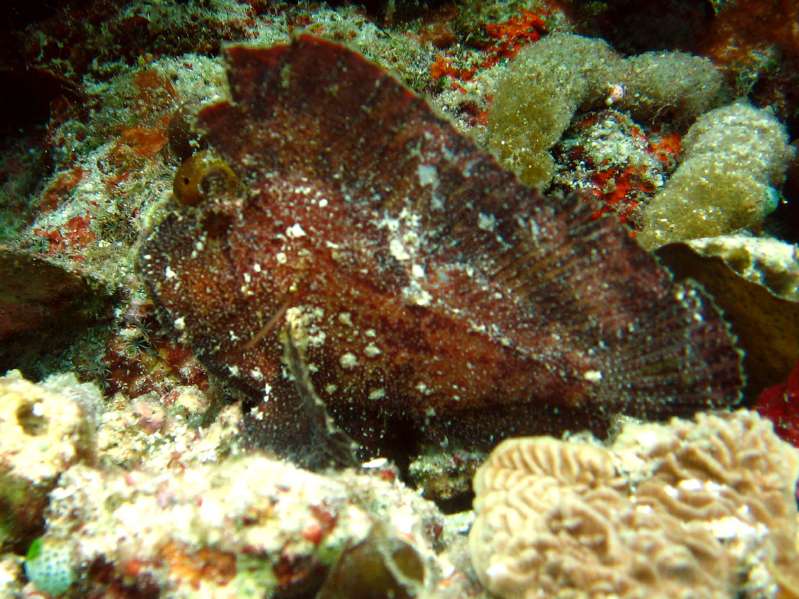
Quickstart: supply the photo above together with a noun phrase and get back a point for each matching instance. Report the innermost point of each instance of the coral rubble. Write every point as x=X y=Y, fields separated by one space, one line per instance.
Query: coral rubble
x=44 y=429
x=244 y=527
x=435 y=300
x=608 y=155
x=701 y=509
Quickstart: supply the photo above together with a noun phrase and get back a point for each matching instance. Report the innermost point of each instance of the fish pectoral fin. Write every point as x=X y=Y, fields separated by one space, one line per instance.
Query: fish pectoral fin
x=330 y=445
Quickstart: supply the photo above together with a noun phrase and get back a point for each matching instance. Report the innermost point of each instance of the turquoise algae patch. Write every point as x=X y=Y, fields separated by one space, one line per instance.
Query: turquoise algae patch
x=48 y=566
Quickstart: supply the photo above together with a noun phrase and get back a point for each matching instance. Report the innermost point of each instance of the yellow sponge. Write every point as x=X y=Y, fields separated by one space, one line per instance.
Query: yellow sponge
x=735 y=157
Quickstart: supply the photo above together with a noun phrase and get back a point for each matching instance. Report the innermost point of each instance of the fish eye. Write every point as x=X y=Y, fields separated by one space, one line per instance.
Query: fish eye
x=200 y=176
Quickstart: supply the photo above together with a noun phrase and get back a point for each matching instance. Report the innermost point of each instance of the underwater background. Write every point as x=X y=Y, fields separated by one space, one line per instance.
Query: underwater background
x=399 y=299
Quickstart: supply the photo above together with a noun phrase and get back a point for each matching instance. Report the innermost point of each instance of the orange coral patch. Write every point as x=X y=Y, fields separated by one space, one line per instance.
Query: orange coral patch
x=215 y=566
x=145 y=141
x=58 y=189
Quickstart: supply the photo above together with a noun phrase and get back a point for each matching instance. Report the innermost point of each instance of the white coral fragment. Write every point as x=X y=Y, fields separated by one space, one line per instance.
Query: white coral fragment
x=45 y=427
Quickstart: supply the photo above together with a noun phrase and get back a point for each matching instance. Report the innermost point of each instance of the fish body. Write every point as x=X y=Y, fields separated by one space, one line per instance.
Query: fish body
x=430 y=296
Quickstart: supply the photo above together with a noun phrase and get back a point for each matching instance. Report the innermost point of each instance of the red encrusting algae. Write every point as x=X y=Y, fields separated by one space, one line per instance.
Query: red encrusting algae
x=512 y=35
x=60 y=189
x=618 y=190
x=509 y=38
x=74 y=236
x=780 y=404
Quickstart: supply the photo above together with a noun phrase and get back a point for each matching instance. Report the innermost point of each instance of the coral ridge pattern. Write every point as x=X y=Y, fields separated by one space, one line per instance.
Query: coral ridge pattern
x=700 y=509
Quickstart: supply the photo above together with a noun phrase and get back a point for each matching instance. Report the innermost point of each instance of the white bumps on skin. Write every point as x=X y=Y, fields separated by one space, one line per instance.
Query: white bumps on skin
x=348 y=361
x=305 y=321
x=428 y=175
x=415 y=295
x=593 y=376
x=372 y=351
x=398 y=250
x=486 y=222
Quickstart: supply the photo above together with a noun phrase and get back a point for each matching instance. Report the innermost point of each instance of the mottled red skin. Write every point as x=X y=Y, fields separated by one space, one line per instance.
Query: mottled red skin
x=482 y=332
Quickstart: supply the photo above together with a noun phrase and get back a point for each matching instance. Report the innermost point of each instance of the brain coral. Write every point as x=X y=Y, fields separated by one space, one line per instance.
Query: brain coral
x=693 y=509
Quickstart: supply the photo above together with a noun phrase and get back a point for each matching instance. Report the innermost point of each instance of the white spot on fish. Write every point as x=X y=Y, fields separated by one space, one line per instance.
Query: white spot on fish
x=593 y=376
x=348 y=361
x=372 y=351
x=398 y=250
x=486 y=222
x=428 y=175
x=295 y=231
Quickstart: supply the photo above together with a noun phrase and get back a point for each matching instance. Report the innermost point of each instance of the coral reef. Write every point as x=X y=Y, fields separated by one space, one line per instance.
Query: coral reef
x=243 y=527
x=10 y=575
x=734 y=160
x=607 y=154
x=703 y=508
x=408 y=292
x=155 y=432
x=330 y=262
x=44 y=429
